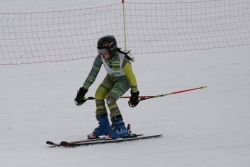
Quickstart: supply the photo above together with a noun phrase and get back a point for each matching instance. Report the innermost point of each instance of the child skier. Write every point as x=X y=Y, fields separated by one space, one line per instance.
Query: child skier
x=118 y=80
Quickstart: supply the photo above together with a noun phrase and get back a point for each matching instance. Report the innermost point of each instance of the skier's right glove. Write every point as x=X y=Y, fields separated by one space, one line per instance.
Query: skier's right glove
x=134 y=99
x=80 y=96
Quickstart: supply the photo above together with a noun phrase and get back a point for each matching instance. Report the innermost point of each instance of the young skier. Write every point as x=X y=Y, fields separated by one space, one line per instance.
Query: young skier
x=118 y=80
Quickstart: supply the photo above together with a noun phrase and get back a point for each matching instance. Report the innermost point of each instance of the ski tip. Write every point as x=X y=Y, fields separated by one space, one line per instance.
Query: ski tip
x=160 y=135
x=49 y=142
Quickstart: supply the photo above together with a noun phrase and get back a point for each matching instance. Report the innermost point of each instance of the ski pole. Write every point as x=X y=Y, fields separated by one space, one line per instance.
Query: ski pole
x=171 y=93
x=157 y=96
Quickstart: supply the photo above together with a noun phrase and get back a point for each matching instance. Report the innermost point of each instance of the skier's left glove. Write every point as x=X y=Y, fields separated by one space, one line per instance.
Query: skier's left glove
x=80 y=96
x=134 y=99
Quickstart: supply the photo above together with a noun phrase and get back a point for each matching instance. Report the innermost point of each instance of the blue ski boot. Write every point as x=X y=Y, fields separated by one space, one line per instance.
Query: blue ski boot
x=118 y=128
x=103 y=128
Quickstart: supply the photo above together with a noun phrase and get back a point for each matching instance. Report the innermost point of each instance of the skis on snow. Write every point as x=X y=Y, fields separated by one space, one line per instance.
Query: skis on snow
x=72 y=142
x=102 y=140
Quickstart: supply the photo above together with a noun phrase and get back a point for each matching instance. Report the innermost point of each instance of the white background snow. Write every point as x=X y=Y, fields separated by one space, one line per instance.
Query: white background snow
x=202 y=128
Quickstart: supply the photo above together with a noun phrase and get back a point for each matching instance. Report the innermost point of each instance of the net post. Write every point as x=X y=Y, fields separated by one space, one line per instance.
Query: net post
x=124 y=25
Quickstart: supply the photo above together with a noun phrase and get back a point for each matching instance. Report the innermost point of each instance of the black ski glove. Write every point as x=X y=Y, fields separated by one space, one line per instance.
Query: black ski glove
x=79 y=100
x=134 y=99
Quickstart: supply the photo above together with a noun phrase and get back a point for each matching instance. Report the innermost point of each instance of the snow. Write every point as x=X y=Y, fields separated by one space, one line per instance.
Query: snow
x=209 y=127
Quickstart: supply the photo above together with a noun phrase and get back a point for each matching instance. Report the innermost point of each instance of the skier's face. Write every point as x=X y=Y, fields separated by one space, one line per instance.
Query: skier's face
x=104 y=52
x=106 y=56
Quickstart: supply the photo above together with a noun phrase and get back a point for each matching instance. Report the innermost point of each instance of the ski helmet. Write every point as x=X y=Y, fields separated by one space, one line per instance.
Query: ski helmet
x=108 y=42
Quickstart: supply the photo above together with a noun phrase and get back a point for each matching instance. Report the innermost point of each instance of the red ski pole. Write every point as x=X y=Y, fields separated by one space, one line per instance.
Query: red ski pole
x=157 y=96
x=162 y=95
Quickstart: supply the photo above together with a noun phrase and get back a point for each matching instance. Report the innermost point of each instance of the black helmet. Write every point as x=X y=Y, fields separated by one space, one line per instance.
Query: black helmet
x=108 y=42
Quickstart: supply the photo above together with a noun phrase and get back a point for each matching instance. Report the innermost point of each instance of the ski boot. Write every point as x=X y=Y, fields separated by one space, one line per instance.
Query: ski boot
x=118 y=128
x=103 y=128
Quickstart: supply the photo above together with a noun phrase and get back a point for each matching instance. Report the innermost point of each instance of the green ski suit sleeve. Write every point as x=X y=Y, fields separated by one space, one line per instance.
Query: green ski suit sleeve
x=131 y=77
x=93 y=73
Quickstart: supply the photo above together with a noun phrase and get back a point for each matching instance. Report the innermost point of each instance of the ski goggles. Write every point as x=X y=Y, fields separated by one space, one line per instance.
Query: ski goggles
x=103 y=51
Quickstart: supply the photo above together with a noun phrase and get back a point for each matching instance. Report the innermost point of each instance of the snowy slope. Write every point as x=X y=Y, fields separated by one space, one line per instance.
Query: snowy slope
x=209 y=127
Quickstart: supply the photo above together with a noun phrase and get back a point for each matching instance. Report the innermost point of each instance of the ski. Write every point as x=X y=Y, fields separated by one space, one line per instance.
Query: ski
x=101 y=140
x=52 y=144
x=106 y=140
